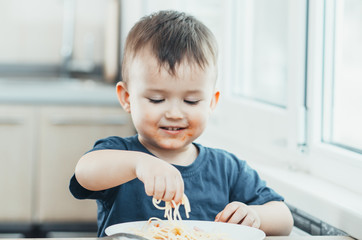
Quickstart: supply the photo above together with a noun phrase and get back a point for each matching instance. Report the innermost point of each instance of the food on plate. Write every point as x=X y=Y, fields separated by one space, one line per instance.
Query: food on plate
x=173 y=228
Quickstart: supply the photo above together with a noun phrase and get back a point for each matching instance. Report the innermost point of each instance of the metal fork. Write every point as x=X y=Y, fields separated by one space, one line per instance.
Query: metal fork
x=125 y=236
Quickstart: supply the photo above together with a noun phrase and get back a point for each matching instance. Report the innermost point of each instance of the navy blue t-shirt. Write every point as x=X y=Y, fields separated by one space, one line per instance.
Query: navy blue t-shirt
x=213 y=180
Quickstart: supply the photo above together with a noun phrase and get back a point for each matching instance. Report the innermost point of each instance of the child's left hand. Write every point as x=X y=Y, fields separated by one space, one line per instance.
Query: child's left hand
x=239 y=213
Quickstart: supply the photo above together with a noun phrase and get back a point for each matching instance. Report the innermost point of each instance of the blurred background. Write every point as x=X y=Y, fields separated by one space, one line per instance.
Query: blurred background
x=68 y=39
x=290 y=78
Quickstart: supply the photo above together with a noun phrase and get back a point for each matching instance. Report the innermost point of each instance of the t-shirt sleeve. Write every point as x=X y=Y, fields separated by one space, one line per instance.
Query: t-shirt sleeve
x=80 y=192
x=116 y=143
x=249 y=188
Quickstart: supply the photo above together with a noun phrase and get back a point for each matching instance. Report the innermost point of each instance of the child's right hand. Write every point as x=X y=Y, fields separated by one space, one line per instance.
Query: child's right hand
x=162 y=180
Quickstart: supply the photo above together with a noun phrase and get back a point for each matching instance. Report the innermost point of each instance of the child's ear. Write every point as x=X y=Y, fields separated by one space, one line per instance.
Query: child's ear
x=123 y=96
x=214 y=100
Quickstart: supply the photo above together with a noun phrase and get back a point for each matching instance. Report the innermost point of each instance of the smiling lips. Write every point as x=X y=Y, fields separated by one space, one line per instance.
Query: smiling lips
x=173 y=130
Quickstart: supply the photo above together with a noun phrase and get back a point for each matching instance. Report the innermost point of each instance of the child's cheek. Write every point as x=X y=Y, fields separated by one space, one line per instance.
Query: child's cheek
x=196 y=126
x=187 y=136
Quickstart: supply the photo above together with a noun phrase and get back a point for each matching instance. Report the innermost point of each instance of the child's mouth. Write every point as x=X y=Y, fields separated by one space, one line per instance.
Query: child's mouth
x=172 y=128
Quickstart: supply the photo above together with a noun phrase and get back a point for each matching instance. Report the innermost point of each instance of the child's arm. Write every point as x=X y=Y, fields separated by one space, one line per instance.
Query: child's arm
x=104 y=169
x=274 y=217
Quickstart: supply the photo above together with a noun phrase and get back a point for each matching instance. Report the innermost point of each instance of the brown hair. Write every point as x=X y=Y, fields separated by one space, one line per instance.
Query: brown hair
x=172 y=37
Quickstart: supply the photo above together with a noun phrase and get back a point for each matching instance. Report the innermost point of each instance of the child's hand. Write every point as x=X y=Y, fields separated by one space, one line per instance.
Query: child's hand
x=239 y=213
x=162 y=180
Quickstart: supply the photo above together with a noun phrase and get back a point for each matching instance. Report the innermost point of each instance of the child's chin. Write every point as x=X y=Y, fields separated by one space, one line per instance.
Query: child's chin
x=173 y=144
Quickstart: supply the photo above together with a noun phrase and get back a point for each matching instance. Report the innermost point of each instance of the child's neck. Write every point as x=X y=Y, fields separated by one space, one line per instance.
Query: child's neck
x=182 y=157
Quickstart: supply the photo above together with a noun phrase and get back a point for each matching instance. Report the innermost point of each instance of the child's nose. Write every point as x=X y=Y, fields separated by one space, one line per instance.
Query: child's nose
x=174 y=112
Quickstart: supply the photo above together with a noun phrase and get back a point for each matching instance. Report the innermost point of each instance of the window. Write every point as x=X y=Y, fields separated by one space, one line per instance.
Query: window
x=293 y=87
x=342 y=85
x=261 y=43
x=268 y=66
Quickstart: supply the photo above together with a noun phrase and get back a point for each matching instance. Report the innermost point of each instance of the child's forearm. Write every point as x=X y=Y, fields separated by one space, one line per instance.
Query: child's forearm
x=275 y=217
x=104 y=169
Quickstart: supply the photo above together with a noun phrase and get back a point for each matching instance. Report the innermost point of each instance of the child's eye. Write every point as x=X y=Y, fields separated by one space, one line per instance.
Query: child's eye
x=192 y=102
x=156 y=100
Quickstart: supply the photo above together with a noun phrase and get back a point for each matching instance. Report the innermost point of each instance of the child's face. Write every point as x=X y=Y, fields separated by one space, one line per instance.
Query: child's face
x=168 y=112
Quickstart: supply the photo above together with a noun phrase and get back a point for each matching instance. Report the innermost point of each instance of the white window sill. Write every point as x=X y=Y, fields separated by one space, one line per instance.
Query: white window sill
x=332 y=204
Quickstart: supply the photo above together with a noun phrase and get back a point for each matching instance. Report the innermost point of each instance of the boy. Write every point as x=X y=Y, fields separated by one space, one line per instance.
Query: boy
x=169 y=71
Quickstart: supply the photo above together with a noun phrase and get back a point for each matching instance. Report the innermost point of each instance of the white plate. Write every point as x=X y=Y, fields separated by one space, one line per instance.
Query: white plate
x=232 y=231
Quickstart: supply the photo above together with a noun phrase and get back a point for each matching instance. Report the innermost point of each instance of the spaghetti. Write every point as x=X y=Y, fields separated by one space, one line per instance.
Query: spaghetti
x=173 y=229
x=169 y=205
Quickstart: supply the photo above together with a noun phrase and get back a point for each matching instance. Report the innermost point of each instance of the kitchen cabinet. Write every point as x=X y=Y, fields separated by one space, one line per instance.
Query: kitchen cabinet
x=65 y=134
x=17 y=135
x=40 y=146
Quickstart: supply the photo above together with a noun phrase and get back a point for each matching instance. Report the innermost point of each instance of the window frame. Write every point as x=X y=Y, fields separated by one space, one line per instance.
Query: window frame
x=290 y=137
x=320 y=64
x=288 y=118
x=332 y=55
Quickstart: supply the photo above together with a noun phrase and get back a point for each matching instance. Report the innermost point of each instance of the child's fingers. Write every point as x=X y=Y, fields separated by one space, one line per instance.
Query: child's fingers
x=238 y=216
x=149 y=187
x=179 y=189
x=171 y=188
x=239 y=213
x=228 y=211
x=159 y=188
x=162 y=181
x=249 y=220
x=256 y=223
x=217 y=218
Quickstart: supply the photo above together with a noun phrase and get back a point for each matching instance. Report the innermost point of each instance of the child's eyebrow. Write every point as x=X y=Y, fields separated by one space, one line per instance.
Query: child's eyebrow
x=163 y=92
x=194 y=92
x=154 y=90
